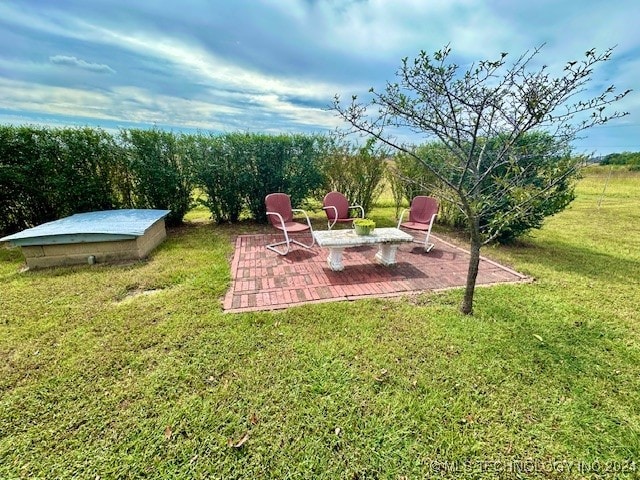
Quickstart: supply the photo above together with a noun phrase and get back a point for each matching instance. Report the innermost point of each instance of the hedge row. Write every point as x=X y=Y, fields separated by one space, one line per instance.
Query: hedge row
x=49 y=173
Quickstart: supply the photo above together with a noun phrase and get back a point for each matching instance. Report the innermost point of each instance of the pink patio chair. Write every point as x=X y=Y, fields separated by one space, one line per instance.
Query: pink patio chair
x=280 y=214
x=422 y=214
x=337 y=207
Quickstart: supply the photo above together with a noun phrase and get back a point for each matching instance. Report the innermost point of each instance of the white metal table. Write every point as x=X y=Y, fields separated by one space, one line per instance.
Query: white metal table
x=388 y=240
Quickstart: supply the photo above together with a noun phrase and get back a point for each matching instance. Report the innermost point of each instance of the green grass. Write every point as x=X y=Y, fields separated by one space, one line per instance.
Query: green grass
x=100 y=380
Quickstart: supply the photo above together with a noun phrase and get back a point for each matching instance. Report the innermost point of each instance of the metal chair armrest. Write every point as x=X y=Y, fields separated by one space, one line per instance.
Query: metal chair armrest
x=359 y=207
x=305 y=216
x=335 y=210
x=330 y=224
x=279 y=217
x=402 y=215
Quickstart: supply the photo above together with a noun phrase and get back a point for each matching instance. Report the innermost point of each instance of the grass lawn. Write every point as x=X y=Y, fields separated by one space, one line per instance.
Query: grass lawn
x=134 y=371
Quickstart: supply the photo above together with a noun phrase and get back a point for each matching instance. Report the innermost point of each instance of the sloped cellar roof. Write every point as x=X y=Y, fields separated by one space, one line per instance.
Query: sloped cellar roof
x=104 y=226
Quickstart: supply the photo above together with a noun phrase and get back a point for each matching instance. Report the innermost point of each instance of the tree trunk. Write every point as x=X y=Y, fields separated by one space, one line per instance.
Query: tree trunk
x=472 y=274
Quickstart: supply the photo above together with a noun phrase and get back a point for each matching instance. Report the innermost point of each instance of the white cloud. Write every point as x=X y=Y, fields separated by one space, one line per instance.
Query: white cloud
x=189 y=63
x=29 y=97
x=299 y=116
x=137 y=105
x=192 y=59
x=82 y=64
x=384 y=29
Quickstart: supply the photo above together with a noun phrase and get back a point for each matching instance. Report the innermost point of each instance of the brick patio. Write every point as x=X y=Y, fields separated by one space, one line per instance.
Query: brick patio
x=263 y=280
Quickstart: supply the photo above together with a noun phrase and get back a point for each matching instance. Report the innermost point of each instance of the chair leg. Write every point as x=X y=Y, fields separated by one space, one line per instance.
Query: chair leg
x=428 y=246
x=287 y=242
x=313 y=240
x=425 y=243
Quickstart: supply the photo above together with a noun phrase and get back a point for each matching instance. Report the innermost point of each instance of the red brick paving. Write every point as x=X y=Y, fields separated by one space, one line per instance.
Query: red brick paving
x=263 y=280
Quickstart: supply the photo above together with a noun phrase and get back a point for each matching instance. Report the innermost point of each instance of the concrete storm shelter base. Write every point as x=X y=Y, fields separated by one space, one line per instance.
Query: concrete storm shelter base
x=93 y=237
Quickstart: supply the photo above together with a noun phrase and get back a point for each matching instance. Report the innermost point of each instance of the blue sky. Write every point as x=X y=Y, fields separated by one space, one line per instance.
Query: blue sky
x=275 y=65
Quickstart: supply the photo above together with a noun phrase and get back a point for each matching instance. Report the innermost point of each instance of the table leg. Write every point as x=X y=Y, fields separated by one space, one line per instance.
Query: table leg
x=334 y=260
x=387 y=254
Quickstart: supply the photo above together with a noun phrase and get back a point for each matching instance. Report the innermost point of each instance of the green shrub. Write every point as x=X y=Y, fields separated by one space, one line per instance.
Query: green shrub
x=26 y=168
x=161 y=173
x=221 y=172
x=535 y=160
x=238 y=170
x=278 y=163
x=90 y=175
x=532 y=161
x=408 y=177
x=356 y=172
x=46 y=174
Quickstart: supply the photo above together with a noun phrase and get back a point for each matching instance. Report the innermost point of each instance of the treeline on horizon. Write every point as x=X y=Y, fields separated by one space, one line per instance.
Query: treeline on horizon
x=632 y=159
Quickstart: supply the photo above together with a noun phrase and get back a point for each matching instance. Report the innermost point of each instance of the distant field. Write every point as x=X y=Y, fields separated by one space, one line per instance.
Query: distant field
x=135 y=372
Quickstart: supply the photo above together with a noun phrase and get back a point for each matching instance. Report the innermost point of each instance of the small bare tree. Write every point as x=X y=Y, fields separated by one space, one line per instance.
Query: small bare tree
x=465 y=111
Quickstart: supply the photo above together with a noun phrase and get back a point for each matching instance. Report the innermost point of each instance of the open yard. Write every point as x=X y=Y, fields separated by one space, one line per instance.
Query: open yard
x=135 y=371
